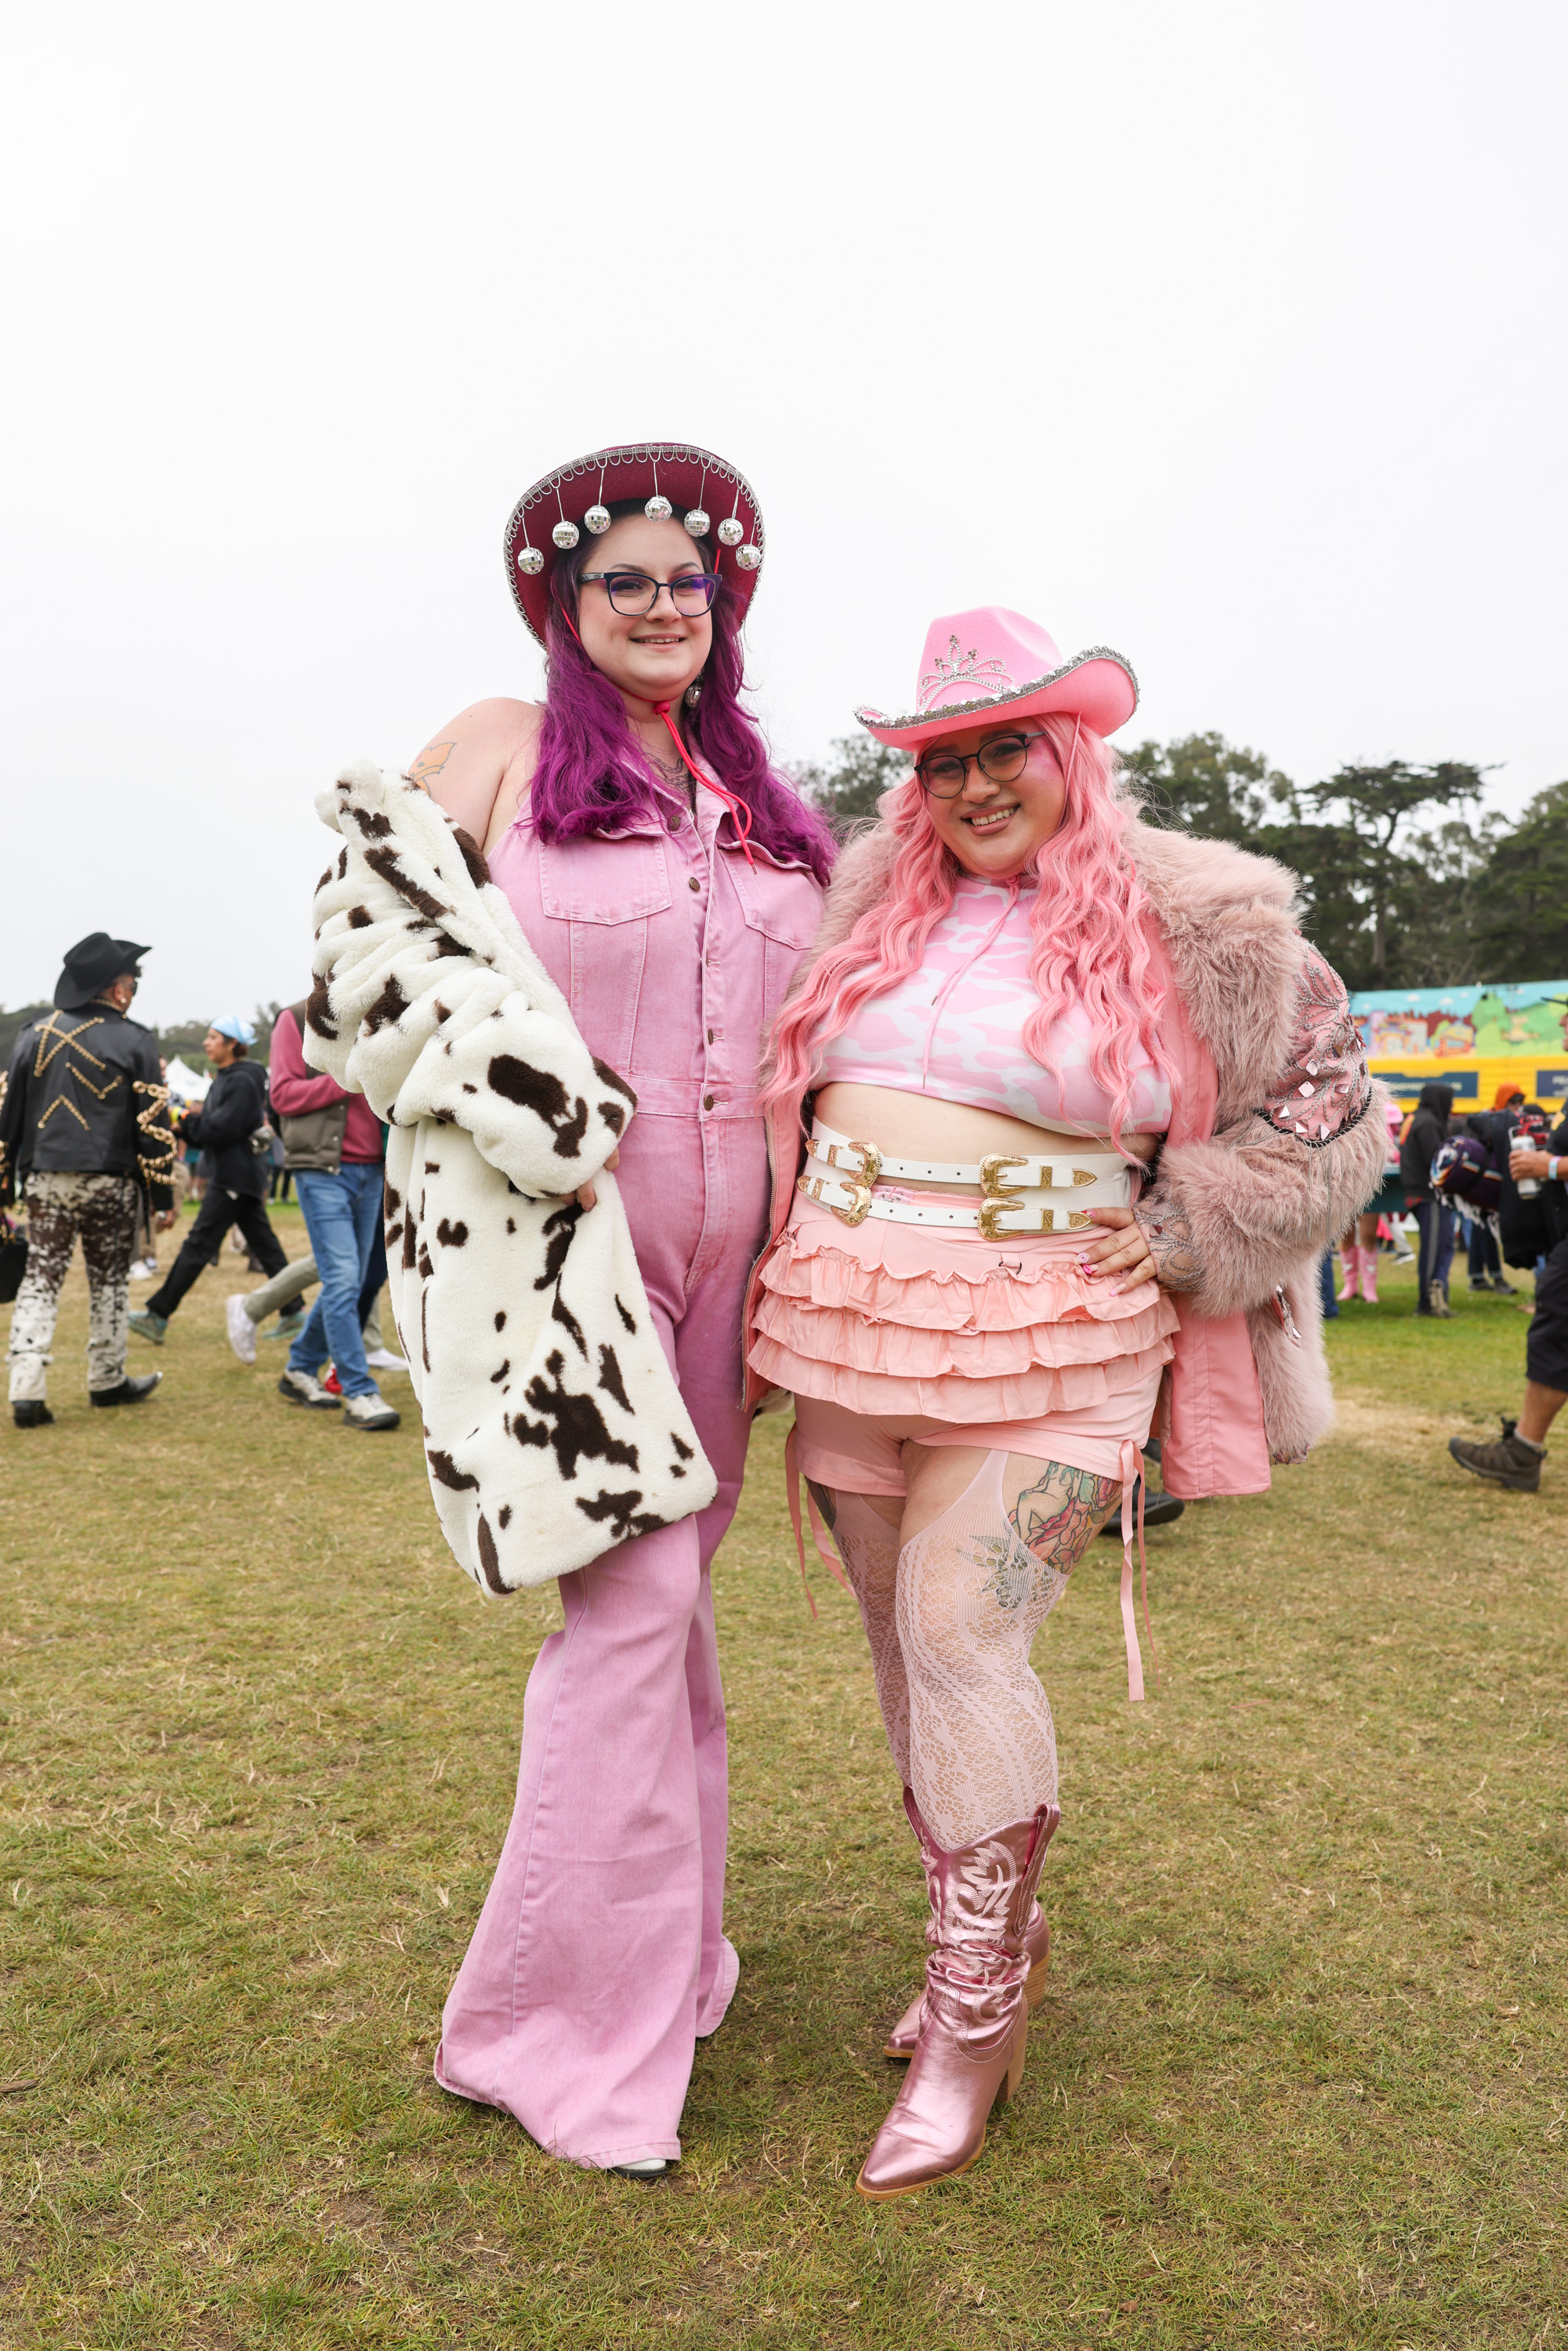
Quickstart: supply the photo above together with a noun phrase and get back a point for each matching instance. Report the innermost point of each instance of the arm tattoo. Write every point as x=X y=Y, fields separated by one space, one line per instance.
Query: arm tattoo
x=1054 y=1519
x=431 y=762
x=1169 y=1234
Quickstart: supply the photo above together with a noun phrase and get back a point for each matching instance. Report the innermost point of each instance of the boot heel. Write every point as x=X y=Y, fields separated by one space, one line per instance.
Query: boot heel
x=1009 y=2083
x=1034 y=1983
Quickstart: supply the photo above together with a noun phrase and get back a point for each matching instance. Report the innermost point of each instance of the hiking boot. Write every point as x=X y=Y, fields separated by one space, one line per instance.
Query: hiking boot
x=1436 y=1304
x=149 y=1326
x=299 y=1388
x=127 y=1392
x=240 y=1328
x=369 y=1412
x=32 y=1413
x=1511 y=1461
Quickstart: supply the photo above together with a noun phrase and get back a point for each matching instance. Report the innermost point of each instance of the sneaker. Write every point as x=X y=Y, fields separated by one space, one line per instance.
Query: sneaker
x=241 y=1330
x=299 y=1388
x=127 y=1392
x=650 y=2168
x=384 y=1360
x=289 y=1325
x=31 y=1414
x=1511 y=1461
x=1479 y=1285
x=369 y=1412
x=1503 y=1288
x=144 y=1269
x=149 y=1326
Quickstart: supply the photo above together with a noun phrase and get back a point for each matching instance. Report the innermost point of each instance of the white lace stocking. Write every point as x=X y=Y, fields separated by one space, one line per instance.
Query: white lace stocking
x=868 y=1548
x=973 y=1590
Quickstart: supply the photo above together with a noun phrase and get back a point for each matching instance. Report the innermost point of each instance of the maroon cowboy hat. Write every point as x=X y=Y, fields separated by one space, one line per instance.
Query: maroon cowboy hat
x=716 y=504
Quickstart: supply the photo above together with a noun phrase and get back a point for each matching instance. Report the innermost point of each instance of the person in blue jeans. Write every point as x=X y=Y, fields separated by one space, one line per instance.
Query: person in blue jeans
x=334 y=1144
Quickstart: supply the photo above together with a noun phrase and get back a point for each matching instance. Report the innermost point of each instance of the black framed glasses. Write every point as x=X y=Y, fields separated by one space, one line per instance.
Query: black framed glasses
x=943 y=774
x=633 y=593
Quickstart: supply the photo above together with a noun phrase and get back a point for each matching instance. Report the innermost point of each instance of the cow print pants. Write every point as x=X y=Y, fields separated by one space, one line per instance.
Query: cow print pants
x=102 y=1210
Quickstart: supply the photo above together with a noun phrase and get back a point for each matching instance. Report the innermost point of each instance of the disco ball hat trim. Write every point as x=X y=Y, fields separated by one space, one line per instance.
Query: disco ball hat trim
x=990 y=663
x=715 y=501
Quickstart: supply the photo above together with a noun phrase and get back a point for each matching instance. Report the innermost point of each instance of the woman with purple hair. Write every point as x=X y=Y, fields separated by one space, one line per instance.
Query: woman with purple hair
x=670 y=881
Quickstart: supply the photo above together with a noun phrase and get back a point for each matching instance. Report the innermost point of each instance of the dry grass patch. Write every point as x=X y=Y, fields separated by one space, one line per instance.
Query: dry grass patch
x=1298 y=2081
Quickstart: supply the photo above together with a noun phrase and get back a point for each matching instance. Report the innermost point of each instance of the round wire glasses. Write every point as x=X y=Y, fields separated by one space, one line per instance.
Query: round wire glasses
x=943 y=774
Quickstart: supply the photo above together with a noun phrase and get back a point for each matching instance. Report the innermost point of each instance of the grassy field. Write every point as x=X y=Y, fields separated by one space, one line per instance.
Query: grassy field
x=1300 y=2077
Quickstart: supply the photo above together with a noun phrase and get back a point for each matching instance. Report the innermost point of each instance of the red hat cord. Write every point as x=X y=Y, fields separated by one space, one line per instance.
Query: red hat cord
x=740 y=815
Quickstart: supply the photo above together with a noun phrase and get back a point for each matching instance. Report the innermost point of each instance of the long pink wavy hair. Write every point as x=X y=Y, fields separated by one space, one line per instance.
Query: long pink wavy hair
x=1088 y=942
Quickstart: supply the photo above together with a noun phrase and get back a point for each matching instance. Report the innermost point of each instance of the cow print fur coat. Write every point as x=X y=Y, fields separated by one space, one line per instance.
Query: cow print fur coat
x=553 y=1427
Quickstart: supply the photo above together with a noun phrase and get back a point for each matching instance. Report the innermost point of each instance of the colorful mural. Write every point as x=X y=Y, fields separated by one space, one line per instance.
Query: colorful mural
x=1476 y=1039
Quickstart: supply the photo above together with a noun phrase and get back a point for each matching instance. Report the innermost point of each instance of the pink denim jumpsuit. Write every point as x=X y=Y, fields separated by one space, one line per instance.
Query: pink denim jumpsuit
x=599 y=1959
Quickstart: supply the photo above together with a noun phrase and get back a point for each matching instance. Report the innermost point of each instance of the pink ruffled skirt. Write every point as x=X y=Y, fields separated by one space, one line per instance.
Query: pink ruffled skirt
x=999 y=1343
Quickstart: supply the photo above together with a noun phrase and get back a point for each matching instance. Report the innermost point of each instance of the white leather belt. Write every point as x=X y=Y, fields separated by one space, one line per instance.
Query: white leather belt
x=1094 y=1179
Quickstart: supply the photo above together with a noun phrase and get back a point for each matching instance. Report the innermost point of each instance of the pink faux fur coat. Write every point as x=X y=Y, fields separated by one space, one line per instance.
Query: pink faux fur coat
x=1277 y=1139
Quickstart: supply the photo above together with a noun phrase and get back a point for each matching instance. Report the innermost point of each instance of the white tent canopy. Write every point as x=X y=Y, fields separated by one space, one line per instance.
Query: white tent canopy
x=183 y=1084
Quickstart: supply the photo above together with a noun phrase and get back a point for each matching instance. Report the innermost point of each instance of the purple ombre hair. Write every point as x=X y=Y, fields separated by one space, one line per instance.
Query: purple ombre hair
x=591 y=772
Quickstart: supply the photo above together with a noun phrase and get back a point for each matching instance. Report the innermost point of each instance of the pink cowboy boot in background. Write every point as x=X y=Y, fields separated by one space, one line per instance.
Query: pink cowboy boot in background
x=973 y=2029
x=901 y=2041
x=1352 y=1260
x=1369 y=1275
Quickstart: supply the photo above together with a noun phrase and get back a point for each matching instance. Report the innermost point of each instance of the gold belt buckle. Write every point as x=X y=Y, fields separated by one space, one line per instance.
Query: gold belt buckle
x=997 y=1201
x=858 y=1183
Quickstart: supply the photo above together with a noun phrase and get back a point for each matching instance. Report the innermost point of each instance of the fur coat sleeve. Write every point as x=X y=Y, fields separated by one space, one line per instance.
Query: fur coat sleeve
x=553 y=1425
x=1299 y=1128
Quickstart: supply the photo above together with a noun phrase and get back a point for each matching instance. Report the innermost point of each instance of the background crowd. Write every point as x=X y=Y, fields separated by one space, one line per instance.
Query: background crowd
x=93 y=1146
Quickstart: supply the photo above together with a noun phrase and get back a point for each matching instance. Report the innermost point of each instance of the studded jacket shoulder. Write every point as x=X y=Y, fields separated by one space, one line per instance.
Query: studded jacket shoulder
x=84 y=1094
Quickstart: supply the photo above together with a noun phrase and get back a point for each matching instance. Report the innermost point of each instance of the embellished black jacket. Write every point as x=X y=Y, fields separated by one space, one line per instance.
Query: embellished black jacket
x=85 y=1095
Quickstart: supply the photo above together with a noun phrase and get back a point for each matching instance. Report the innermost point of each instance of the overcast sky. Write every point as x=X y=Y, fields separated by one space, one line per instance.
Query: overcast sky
x=1230 y=335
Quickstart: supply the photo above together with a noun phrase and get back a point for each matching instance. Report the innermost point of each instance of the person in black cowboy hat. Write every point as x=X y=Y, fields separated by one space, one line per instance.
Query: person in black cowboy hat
x=84 y=1129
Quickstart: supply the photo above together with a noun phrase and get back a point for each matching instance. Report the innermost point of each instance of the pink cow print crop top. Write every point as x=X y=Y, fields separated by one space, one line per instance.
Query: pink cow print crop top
x=954 y=1028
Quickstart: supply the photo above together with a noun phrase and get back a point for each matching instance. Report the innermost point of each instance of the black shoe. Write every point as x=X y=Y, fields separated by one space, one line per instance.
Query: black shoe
x=1503 y=1288
x=1159 y=1511
x=32 y=1415
x=127 y=1392
x=1512 y=1461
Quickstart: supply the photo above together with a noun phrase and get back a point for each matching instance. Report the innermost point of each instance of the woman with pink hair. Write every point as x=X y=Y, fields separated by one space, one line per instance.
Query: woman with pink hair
x=669 y=879
x=1063 y=1111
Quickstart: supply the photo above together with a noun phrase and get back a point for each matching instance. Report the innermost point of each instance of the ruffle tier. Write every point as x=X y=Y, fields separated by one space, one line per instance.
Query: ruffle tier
x=899 y=1320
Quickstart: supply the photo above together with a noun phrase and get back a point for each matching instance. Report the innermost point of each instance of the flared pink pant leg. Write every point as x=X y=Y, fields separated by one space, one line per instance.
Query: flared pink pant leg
x=599 y=1957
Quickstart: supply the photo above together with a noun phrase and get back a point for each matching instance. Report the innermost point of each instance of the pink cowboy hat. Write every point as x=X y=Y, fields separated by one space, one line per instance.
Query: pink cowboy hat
x=993 y=664
x=715 y=501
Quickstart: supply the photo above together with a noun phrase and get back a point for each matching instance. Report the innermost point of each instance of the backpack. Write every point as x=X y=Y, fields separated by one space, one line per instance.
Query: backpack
x=1464 y=1169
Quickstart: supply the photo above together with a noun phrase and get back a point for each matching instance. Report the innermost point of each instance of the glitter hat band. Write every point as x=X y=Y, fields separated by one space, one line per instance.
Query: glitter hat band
x=993 y=664
x=670 y=477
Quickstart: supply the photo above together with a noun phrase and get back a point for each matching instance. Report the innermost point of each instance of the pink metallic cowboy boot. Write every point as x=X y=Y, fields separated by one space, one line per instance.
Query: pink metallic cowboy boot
x=975 y=2029
x=901 y=2041
x=1350 y=1260
x=1369 y=1275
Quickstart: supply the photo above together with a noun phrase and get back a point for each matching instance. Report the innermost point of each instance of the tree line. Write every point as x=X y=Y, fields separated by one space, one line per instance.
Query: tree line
x=1405 y=880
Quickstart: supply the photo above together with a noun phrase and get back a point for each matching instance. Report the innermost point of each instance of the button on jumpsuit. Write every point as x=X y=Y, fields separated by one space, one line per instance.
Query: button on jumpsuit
x=599 y=1959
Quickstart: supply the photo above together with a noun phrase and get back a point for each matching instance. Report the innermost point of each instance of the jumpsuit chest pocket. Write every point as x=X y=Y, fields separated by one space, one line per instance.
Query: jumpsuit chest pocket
x=605 y=894
x=782 y=911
